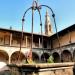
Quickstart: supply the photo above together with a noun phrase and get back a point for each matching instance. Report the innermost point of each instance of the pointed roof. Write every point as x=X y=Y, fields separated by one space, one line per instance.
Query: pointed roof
x=47 y=14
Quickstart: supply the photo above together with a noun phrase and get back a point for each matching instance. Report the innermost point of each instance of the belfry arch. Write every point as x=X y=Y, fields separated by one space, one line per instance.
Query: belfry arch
x=56 y=57
x=44 y=57
x=15 y=57
x=66 y=56
x=4 y=57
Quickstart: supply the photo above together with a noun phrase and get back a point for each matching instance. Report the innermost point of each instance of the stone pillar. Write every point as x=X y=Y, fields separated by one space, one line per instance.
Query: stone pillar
x=40 y=57
x=10 y=39
x=39 y=42
x=9 y=60
x=60 y=56
x=71 y=54
x=26 y=41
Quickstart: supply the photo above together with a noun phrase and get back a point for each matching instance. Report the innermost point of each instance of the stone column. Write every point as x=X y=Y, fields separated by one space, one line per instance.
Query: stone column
x=39 y=42
x=10 y=39
x=9 y=59
x=26 y=41
x=40 y=57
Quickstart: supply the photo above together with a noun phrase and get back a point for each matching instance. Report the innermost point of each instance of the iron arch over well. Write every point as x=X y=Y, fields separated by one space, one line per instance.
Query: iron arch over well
x=35 y=57
x=74 y=55
x=66 y=56
x=56 y=57
x=15 y=57
x=44 y=57
x=4 y=57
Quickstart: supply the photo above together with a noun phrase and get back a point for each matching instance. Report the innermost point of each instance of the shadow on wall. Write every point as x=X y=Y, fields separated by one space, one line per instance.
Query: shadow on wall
x=56 y=57
x=66 y=56
x=74 y=70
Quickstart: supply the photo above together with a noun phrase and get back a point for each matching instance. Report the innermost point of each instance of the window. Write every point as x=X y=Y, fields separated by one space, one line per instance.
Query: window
x=6 y=39
x=1 y=41
x=49 y=27
x=28 y=42
x=36 y=44
x=16 y=38
x=45 y=44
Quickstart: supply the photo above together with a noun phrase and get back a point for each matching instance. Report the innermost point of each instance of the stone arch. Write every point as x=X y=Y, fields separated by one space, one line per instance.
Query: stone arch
x=74 y=55
x=35 y=57
x=4 y=57
x=66 y=56
x=15 y=57
x=56 y=57
x=44 y=57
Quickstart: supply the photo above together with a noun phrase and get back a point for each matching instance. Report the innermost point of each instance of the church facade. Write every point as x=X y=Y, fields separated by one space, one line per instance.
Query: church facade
x=62 y=48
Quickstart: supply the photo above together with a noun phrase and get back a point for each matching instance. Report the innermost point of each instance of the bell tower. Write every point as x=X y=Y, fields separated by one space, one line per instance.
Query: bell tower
x=48 y=27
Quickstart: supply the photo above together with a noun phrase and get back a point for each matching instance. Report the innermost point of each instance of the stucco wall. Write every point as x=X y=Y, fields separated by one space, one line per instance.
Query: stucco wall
x=73 y=36
x=7 y=37
x=64 y=39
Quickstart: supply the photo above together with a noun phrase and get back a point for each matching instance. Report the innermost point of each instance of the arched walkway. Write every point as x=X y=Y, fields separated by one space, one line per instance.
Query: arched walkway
x=15 y=57
x=56 y=57
x=66 y=56
x=35 y=57
x=74 y=56
x=4 y=57
x=44 y=57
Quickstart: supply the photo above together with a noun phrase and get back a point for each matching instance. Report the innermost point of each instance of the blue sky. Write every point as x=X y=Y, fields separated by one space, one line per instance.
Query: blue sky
x=11 y=12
